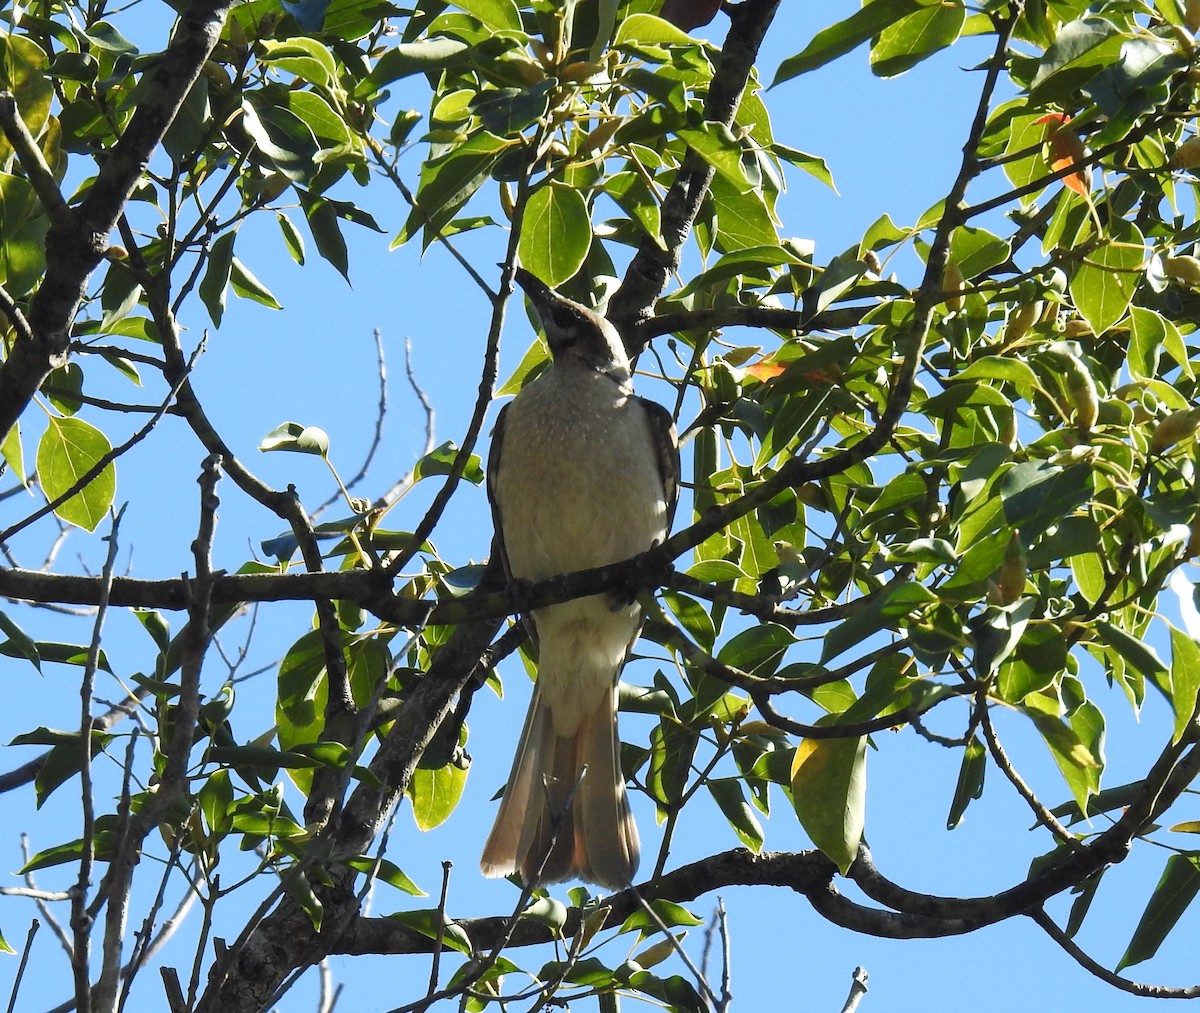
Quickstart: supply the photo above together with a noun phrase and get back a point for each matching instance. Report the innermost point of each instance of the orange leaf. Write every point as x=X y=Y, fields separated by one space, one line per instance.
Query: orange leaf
x=1066 y=149
x=765 y=370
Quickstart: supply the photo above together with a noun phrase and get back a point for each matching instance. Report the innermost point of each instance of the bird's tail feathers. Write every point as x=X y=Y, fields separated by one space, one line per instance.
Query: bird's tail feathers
x=565 y=813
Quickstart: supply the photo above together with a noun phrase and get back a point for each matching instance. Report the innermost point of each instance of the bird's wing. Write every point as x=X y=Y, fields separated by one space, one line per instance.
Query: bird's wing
x=493 y=473
x=666 y=449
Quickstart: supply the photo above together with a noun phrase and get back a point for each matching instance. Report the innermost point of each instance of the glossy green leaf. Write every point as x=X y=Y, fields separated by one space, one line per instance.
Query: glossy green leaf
x=247 y=286
x=442 y=461
x=303 y=56
x=69 y=455
x=496 y=15
x=431 y=54
x=905 y=43
x=1185 y=680
x=647 y=29
x=19 y=642
x=556 y=234
x=863 y=25
x=386 y=872
x=292 y=238
x=435 y=794
x=1103 y=284
x=448 y=182
x=1176 y=889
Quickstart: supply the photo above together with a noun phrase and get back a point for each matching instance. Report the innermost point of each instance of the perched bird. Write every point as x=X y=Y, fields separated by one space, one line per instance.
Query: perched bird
x=582 y=473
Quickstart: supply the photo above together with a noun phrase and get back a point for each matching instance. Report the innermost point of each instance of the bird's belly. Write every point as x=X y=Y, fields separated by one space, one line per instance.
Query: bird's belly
x=583 y=492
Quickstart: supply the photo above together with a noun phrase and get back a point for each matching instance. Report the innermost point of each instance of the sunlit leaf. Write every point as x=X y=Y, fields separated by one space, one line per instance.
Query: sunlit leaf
x=69 y=451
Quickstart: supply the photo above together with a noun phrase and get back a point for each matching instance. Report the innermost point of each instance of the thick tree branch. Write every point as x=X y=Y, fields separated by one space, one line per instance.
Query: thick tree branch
x=652 y=265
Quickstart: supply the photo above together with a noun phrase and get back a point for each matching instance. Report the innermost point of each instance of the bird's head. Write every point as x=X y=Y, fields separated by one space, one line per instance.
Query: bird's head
x=575 y=333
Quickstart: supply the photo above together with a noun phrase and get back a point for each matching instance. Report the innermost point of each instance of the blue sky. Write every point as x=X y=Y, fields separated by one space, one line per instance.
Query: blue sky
x=893 y=146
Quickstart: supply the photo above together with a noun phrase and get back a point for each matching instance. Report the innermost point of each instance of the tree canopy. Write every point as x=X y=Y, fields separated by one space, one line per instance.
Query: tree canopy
x=941 y=484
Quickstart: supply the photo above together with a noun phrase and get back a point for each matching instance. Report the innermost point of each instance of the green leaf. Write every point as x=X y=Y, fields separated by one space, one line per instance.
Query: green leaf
x=216 y=276
x=904 y=44
x=303 y=56
x=247 y=286
x=23 y=71
x=13 y=453
x=327 y=127
x=669 y=913
x=280 y=134
x=1185 y=679
x=296 y=439
x=878 y=613
x=837 y=40
x=510 y=110
x=1176 y=889
x=441 y=461
x=67 y=452
x=759 y=649
x=386 y=872
x=433 y=54
x=814 y=165
x=649 y=30
x=497 y=15
x=23 y=228
x=829 y=792
x=728 y=793
x=20 y=643
x=1004 y=368
x=970 y=781
x=59 y=654
x=301 y=696
x=292 y=238
x=63 y=760
x=1037 y=495
x=106 y=37
x=717 y=145
x=1102 y=286
x=322 y=219
x=435 y=793
x=1080 y=50
x=1077 y=746
x=556 y=234
x=743 y=220
x=433 y=924
x=448 y=182
x=216 y=800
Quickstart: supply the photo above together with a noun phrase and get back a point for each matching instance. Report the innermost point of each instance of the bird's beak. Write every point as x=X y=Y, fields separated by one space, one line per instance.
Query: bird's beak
x=540 y=294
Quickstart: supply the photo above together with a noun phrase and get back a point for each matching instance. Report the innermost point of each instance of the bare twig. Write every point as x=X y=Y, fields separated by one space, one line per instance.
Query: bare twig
x=858 y=988
x=81 y=918
x=12 y=998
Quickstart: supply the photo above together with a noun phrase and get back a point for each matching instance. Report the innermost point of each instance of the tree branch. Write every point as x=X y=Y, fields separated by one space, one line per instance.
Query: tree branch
x=652 y=265
x=77 y=241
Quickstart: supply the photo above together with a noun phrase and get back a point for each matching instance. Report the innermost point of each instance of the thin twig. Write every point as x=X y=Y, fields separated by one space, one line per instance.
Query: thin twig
x=12 y=998
x=81 y=918
x=1047 y=924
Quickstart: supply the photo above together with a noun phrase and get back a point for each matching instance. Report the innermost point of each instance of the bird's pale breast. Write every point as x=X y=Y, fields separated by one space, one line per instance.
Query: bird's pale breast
x=584 y=481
